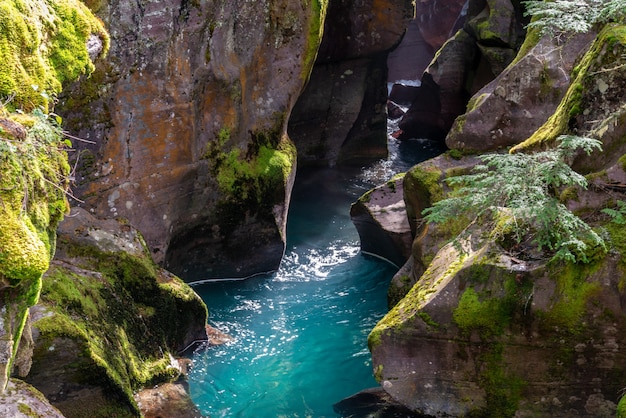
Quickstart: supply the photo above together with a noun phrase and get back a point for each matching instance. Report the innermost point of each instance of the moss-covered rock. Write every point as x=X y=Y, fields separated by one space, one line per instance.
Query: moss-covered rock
x=33 y=182
x=230 y=70
x=43 y=44
x=520 y=99
x=21 y=400
x=484 y=334
x=109 y=320
x=586 y=104
x=254 y=185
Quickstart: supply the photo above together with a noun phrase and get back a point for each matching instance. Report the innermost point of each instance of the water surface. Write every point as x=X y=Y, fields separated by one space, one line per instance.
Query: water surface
x=300 y=335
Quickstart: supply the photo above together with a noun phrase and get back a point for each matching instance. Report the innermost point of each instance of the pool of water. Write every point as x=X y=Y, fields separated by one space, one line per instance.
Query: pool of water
x=300 y=335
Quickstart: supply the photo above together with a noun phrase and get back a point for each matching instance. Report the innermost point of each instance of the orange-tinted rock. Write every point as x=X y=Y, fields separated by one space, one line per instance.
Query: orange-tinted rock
x=183 y=78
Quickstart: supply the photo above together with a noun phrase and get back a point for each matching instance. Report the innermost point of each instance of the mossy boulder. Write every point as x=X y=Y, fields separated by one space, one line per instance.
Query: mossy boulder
x=520 y=99
x=33 y=182
x=21 y=400
x=479 y=50
x=44 y=45
x=109 y=320
x=485 y=333
x=592 y=105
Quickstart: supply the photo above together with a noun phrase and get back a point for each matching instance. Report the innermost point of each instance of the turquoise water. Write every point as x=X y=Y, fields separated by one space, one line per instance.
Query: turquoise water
x=300 y=335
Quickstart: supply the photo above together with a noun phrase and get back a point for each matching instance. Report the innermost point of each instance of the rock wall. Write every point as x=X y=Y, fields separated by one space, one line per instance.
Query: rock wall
x=434 y=23
x=479 y=51
x=109 y=321
x=488 y=331
x=188 y=127
x=40 y=50
x=341 y=116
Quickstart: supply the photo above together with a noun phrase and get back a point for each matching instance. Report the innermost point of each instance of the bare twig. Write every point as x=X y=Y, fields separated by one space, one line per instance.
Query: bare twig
x=77 y=138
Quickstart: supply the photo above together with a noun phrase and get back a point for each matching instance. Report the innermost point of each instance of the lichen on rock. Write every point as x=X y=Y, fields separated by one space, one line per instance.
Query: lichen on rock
x=580 y=103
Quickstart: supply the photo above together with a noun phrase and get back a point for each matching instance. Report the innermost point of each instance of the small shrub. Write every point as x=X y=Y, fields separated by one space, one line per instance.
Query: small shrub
x=573 y=15
x=523 y=187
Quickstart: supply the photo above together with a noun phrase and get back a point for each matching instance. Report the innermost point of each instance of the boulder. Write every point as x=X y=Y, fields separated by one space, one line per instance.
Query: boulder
x=509 y=109
x=380 y=219
x=479 y=328
x=394 y=111
x=423 y=118
x=471 y=58
x=483 y=331
x=21 y=400
x=412 y=55
x=109 y=321
x=167 y=400
x=403 y=94
x=372 y=403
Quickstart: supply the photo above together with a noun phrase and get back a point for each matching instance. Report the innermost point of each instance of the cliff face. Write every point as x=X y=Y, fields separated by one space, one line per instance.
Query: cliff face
x=41 y=47
x=100 y=320
x=188 y=120
x=502 y=331
x=341 y=116
x=484 y=45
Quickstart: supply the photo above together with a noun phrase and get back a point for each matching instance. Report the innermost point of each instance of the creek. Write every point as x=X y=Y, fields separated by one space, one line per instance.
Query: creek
x=300 y=335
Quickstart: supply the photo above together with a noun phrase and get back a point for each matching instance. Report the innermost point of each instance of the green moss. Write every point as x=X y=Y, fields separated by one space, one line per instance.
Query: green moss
x=32 y=189
x=533 y=36
x=422 y=188
x=43 y=45
x=503 y=389
x=573 y=294
x=246 y=178
x=378 y=373
x=33 y=181
x=571 y=104
x=125 y=320
x=427 y=319
x=26 y=410
x=455 y=154
x=621 y=408
x=485 y=316
x=254 y=180
x=411 y=305
x=429 y=180
x=617 y=242
x=569 y=194
x=314 y=37
x=622 y=162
